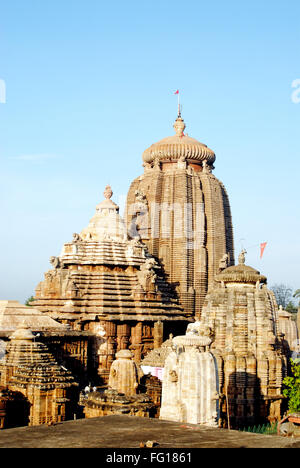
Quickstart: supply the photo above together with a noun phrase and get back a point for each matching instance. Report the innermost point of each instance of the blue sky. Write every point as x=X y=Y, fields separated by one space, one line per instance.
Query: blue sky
x=90 y=85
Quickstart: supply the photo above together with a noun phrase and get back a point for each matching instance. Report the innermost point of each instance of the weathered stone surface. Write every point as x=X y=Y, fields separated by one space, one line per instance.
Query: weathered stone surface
x=182 y=213
x=189 y=388
x=14 y=315
x=29 y=369
x=288 y=327
x=124 y=373
x=108 y=284
x=158 y=356
x=128 y=432
x=243 y=316
x=110 y=401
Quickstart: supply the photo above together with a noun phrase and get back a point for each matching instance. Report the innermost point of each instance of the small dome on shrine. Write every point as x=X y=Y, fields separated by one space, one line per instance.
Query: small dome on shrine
x=107 y=223
x=241 y=273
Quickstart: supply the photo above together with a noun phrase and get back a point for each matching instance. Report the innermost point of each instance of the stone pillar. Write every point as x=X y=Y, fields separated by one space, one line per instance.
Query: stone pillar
x=136 y=341
x=123 y=375
x=158 y=333
x=123 y=336
x=189 y=389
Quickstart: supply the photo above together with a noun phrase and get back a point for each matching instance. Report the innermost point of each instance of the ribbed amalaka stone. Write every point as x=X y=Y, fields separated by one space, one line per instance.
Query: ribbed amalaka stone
x=124 y=373
x=29 y=369
x=243 y=316
x=189 y=388
x=108 y=284
x=181 y=211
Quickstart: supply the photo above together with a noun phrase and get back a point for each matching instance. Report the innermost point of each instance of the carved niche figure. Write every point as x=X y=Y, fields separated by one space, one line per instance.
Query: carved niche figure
x=181 y=164
x=223 y=264
x=76 y=238
x=242 y=257
x=141 y=197
x=55 y=262
x=147 y=274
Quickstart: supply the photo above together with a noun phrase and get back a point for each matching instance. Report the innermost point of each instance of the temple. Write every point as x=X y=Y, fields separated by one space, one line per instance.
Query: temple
x=40 y=390
x=243 y=317
x=181 y=211
x=105 y=283
x=149 y=315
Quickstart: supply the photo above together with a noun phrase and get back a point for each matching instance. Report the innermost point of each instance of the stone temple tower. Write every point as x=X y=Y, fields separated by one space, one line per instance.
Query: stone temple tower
x=181 y=211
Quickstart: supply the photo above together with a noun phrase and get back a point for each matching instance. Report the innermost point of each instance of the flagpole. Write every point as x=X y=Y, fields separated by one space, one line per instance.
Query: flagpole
x=178 y=97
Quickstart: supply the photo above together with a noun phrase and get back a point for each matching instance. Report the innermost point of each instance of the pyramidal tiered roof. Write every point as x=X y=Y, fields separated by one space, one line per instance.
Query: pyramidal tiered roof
x=13 y=315
x=103 y=273
x=30 y=362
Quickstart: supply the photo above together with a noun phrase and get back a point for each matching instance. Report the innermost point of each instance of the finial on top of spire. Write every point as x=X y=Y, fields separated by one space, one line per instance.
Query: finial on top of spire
x=108 y=193
x=179 y=126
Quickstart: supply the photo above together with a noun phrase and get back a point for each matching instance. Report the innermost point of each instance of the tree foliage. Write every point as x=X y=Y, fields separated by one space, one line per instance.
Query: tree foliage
x=292 y=388
x=283 y=294
x=29 y=301
x=297 y=295
x=291 y=308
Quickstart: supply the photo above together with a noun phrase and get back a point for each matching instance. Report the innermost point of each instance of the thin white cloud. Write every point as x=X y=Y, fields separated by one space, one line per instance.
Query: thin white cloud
x=34 y=157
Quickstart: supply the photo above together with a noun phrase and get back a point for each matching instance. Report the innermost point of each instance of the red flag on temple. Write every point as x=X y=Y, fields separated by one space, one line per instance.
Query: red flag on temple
x=262 y=248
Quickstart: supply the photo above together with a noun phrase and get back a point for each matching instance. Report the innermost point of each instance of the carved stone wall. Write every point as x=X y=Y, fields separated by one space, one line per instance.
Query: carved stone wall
x=288 y=327
x=30 y=370
x=109 y=285
x=189 y=388
x=181 y=212
x=243 y=316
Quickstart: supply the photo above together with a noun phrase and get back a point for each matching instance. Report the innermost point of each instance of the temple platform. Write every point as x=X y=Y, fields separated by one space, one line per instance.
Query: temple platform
x=129 y=432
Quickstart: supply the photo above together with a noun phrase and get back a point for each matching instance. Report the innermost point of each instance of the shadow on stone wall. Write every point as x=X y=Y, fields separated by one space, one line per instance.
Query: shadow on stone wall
x=17 y=411
x=245 y=403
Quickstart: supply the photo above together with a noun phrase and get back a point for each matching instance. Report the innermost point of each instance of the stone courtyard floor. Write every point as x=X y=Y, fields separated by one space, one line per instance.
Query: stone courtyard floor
x=128 y=432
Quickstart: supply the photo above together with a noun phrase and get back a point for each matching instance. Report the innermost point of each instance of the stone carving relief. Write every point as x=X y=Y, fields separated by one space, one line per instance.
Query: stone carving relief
x=181 y=164
x=242 y=257
x=76 y=238
x=223 y=264
x=147 y=274
x=56 y=262
x=141 y=197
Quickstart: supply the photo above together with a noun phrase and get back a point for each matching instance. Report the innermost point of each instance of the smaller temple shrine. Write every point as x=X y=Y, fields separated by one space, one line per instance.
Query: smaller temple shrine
x=123 y=394
x=289 y=330
x=242 y=314
x=190 y=387
x=28 y=369
x=71 y=348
